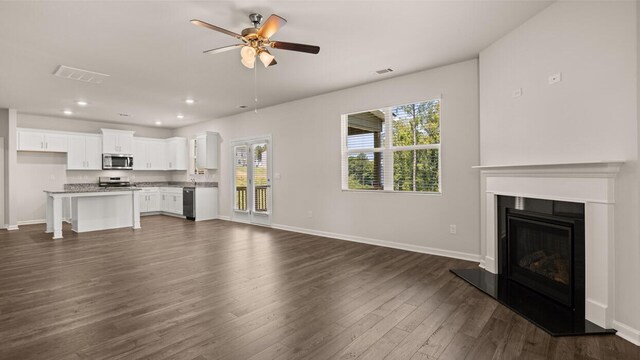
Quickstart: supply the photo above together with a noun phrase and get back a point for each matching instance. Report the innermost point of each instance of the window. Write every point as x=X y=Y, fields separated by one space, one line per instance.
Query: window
x=392 y=149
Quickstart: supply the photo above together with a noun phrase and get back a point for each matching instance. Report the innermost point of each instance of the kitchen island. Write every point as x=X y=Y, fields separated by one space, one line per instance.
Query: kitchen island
x=94 y=209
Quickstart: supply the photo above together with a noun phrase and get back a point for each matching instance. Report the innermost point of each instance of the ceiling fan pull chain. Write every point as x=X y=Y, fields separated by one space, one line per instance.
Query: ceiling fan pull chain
x=255 y=89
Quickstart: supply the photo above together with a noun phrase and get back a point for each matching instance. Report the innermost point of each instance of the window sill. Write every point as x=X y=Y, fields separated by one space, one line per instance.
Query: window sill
x=393 y=192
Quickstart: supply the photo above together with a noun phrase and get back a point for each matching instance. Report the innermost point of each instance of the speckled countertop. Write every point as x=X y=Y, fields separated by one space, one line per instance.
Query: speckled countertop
x=93 y=187
x=89 y=189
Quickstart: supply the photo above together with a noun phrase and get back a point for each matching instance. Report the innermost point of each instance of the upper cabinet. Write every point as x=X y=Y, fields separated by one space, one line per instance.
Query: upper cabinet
x=41 y=140
x=177 y=154
x=207 y=150
x=117 y=142
x=85 y=152
x=149 y=154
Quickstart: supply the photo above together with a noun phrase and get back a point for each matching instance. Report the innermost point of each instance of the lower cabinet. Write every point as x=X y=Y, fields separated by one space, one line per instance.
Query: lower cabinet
x=150 y=200
x=168 y=200
x=172 y=202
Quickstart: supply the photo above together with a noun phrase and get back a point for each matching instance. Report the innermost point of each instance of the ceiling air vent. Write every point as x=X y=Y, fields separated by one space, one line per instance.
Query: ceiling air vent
x=384 y=71
x=68 y=72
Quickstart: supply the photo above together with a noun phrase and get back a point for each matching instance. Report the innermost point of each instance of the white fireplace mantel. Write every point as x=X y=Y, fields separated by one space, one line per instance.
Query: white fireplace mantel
x=590 y=183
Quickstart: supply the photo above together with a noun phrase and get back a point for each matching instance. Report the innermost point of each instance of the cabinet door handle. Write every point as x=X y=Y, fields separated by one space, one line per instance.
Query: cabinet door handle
x=41 y=145
x=46 y=145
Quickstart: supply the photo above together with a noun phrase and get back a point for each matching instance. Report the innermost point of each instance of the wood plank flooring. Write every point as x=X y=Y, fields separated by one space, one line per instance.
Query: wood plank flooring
x=220 y=290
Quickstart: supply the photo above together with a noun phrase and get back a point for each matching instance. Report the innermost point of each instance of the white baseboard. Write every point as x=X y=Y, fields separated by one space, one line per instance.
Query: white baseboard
x=11 y=227
x=627 y=332
x=32 y=222
x=596 y=312
x=383 y=243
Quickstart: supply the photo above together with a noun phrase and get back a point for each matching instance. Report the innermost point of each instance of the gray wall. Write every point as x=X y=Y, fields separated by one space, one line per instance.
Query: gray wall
x=591 y=115
x=307 y=154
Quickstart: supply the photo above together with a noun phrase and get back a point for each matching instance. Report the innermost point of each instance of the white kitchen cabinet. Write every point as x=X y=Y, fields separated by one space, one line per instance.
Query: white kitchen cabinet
x=154 y=202
x=93 y=152
x=84 y=152
x=150 y=200
x=206 y=199
x=30 y=141
x=172 y=200
x=207 y=145
x=117 y=142
x=55 y=142
x=148 y=154
x=34 y=140
x=177 y=156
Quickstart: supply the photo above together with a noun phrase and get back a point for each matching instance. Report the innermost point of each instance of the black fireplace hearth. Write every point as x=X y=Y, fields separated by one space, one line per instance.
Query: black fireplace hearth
x=541 y=266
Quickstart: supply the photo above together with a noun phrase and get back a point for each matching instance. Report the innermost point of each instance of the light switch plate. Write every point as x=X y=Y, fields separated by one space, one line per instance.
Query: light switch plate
x=517 y=93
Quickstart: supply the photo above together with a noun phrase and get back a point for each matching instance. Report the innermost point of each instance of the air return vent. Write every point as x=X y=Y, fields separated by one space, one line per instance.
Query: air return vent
x=80 y=75
x=384 y=71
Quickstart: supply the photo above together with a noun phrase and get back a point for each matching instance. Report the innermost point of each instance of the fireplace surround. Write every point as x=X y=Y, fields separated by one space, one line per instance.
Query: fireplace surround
x=589 y=186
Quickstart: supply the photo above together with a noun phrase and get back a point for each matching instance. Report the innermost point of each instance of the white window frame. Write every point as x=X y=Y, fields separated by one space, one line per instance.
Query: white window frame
x=387 y=151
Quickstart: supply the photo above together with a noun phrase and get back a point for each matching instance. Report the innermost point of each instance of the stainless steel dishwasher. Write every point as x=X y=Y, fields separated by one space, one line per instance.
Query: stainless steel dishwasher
x=189 y=202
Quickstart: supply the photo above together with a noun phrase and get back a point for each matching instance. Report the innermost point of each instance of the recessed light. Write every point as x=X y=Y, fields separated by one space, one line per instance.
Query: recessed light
x=158 y=123
x=190 y=101
x=81 y=103
x=67 y=112
x=180 y=116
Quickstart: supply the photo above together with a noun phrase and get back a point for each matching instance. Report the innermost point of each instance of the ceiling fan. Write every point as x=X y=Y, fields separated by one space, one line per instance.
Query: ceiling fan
x=256 y=40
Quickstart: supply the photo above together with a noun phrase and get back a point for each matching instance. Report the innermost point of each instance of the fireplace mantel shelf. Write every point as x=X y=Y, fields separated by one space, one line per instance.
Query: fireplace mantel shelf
x=615 y=163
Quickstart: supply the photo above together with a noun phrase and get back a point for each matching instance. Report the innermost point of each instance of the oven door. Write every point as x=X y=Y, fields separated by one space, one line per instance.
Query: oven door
x=120 y=162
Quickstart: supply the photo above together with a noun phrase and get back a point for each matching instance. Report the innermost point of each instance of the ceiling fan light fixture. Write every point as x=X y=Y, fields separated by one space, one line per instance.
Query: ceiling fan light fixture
x=266 y=58
x=248 y=53
x=248 y=63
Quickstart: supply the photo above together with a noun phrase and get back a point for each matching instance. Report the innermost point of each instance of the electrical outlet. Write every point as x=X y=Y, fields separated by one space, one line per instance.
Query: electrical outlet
x=453 y=229
x=309 y=213
x=555 y=78
x=517 y=93
x=277 y=176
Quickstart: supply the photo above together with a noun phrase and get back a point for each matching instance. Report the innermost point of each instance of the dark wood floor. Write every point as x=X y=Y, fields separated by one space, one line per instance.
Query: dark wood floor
x=220 y=290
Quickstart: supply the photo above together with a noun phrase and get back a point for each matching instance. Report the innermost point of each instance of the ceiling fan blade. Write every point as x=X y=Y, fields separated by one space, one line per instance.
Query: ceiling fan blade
x=311 y=49
x=271 y=26
x=216 y=28
x=222 y=49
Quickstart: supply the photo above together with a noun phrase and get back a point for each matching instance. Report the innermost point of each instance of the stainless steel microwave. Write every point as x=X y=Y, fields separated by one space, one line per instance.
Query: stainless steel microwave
x=117 y=162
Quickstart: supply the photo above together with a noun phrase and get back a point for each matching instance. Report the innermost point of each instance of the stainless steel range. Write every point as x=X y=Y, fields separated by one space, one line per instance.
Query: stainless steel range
x=114 y=182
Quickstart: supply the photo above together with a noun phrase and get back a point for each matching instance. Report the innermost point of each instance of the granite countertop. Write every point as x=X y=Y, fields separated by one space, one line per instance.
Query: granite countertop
x=90 y=189
x=176 y=184
x=93 y=187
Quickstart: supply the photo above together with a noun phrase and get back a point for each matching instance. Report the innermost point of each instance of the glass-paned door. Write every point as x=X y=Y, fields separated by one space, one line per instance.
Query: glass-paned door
x=252 y=200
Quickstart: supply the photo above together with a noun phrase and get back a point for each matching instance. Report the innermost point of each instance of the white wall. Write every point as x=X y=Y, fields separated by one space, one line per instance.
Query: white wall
x=306 y=137
x=591 y=115
x=39 y=171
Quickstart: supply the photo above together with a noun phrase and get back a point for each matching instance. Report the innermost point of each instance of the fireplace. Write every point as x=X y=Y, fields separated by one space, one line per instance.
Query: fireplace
x=541 y=247
x=581 y=202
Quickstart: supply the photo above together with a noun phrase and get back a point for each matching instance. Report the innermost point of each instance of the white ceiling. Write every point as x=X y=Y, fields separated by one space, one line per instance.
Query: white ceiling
x=154 y=55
